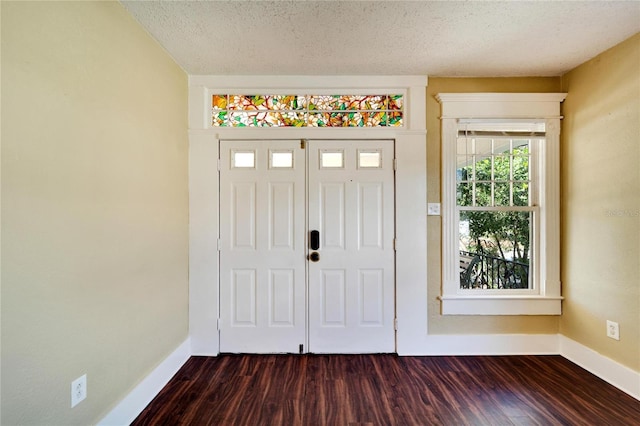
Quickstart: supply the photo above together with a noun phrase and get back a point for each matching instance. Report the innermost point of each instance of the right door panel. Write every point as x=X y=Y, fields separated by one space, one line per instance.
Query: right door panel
x=351 y=285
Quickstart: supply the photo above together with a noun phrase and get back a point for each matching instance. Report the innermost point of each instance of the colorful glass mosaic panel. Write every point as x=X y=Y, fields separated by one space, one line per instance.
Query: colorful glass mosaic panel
x=347 y=102
x=266 y=119
x=219 y=118
x=395 y=102
x=307 y=110
x=377 y=119
x=395 y=119
x=319 y=119
x=219 y=102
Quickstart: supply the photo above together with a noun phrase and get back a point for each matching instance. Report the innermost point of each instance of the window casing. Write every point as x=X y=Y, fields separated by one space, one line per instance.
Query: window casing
x=500 y=204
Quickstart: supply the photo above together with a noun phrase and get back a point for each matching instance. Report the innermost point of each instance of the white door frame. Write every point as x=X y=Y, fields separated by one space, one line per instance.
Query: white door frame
x=411 y=193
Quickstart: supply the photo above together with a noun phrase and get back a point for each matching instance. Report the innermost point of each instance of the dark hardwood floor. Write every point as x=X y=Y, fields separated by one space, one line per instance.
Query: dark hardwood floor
x=387 y=390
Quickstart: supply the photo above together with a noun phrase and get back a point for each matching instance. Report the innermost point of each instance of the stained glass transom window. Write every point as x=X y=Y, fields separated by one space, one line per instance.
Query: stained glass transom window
x=307 y=110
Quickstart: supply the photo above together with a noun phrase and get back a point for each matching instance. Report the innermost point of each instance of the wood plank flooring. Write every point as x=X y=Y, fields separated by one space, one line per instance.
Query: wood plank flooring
x=387 y=390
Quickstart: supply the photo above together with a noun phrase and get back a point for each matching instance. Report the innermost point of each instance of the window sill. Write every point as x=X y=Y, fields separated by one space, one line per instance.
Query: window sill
x=500 y=305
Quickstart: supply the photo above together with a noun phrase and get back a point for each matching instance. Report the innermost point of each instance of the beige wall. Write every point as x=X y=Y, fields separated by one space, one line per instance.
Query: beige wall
x=94 y=208
x=439 y=324
x=601 y=202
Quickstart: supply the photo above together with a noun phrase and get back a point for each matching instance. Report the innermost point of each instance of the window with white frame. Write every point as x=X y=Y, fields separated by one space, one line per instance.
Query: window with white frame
x=500 y=204
x=497 y=204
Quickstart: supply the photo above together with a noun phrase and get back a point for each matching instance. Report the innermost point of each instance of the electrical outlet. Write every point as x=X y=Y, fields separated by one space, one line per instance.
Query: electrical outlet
x=613 y=330
x=78 y=390
x=433 y=209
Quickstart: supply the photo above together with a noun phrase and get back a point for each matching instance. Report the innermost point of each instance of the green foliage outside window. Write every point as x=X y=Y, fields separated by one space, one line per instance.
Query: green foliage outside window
x=497 y=180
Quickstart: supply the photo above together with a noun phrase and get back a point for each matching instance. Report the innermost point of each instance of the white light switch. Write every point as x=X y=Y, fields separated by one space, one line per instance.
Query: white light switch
x=433 y=209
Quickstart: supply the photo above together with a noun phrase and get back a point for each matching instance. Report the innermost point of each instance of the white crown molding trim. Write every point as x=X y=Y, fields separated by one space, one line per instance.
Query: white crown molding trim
x=282 y=133
x=620 y=376
x=307 y=81
x=132 y=405
x=500 y=97
x=501 y=105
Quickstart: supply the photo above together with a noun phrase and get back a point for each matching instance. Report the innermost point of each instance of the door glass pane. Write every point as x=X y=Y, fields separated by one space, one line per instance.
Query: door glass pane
x=331 y=159
x=281 y=160
x=243 y=159
x=369 y=159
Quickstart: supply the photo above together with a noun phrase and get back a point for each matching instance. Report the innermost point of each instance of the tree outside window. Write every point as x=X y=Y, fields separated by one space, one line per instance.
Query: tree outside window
x=495 y=218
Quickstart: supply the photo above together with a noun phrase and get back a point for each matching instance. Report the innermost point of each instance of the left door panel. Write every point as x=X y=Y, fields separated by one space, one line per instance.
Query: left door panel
x=262 y=253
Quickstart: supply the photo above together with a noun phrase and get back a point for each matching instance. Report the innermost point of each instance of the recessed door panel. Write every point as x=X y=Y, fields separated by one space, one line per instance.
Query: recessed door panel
x=244 y=215
x=281 y=211
x=370 y=215
x=244 y=298
x=371 y=282
x=332 y=214
x=282 y=297
x=333 y=298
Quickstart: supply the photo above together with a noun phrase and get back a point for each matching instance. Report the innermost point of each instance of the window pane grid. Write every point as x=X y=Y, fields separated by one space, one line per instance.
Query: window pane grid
x=493 y=172
x=307 y=110
x=495 y=214
x=495 y=249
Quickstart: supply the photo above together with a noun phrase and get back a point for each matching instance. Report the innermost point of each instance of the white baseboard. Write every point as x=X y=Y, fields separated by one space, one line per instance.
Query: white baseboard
x=605 y=368
x=486 y=344
x=624 y=378
x=133 y=404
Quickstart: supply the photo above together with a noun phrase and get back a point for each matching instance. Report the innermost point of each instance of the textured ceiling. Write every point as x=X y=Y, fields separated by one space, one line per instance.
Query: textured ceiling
x=435 y=38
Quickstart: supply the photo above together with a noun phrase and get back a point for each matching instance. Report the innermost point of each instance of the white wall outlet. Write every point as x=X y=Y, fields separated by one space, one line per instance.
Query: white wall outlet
x=613 y=330
x=433 y=209
x=78 y=390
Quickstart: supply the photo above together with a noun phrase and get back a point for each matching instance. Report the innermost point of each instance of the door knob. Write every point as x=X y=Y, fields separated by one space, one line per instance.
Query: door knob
x=314 y=256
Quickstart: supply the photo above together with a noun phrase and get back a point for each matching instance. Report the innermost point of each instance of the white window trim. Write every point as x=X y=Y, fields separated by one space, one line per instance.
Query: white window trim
x=546 y=297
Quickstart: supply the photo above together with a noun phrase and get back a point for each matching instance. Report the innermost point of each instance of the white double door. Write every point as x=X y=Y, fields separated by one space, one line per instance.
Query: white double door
x=307 y=246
